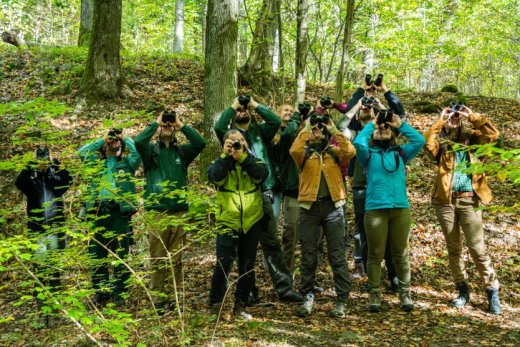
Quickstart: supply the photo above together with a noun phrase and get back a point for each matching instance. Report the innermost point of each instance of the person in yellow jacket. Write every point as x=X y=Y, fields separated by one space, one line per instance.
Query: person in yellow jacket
x=238 y=176
x=456 y=197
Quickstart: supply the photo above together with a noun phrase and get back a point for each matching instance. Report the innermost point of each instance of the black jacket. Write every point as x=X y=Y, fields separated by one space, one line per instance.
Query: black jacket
x=44 y=191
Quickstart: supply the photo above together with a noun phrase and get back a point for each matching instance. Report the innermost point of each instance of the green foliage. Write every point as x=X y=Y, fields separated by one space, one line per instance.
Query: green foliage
x=450 y=88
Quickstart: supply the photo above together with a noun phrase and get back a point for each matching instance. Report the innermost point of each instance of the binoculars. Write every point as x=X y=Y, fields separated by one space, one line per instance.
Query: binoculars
x=112 y=134
x=456 y=106
x=326 y=101
x=244 y=100
x=236 y=145
x=368 y=101
x=384 y=116
x=316 y=118
x=42 y=153
x=169 y=116
x=377 y=81
x=304 y=109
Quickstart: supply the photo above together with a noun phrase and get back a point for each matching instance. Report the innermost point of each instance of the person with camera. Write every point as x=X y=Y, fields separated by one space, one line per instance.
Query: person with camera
x=110 y=204
x=387 y=211
x=43 y=183
x=165 y=163
x=321 y=198
x=237 y=175
x=257 y=136
x=457 y=196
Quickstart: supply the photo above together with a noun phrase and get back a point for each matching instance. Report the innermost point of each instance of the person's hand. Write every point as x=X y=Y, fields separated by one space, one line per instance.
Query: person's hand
x=465 y=112
x=252 y=104
x=382 y=88
x=237 y=153
x=122 y=135
x=236 y=105
x=178 y=123
x=446 y=113
x=329 y=125
x=378 y=104
x=227 y=148
x=396 y=122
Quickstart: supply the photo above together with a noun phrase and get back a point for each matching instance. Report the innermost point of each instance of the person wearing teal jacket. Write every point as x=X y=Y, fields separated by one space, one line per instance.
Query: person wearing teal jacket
x=387 y=209
x=165 y=164
x=237 y=175
x=111 y=201
x=257 y=136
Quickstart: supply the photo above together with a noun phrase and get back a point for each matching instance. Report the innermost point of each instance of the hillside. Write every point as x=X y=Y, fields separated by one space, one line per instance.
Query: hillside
x=31 y=80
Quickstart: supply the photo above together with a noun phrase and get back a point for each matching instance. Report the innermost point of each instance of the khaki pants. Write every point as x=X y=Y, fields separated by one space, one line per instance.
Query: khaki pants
x=166 y=242
x=452 y=217
x=291 y=213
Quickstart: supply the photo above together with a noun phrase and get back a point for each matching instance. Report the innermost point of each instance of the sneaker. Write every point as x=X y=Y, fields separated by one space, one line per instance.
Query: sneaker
x=240 y=310
x=493 y=301
x=375 y=300
x=405 y=300
x=359 y=271
x=339 y=310
x=306 y=308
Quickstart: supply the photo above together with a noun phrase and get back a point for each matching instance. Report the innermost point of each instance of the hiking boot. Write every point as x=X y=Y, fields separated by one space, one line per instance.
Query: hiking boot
x=240 y=310
x=463 y=298
x=214 y=309
x=291 y=296
x=253 y=298
x=161 y=308
x=375 y=300
x=405 y=300
x=100 y=300
x=494 y=301
x=359 y=271
x=339 y=310
x=394 y=285
x=307 y=305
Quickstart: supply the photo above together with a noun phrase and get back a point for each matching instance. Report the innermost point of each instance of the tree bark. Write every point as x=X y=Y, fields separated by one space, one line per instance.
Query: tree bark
x=345 y=52
x=85 y=23
x=178 y=43
x=302 y=43
x=220 y=69
x=102 y=78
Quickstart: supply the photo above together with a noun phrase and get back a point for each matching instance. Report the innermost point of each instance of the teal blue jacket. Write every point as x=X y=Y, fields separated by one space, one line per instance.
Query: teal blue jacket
x=257 y=135
x=166 y=168
x=386 y=185
x=122 y=171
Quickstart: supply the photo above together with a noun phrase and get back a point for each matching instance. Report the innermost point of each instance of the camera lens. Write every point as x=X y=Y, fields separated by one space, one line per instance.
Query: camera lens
x=237 y=145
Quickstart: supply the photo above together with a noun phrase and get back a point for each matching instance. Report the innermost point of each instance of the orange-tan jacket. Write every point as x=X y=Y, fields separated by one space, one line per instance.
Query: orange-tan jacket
x=310 y=173
x=483 y=132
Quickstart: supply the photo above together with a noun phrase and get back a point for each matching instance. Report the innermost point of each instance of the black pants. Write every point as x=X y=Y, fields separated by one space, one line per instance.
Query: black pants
x=113 y=236
x=272 y=248
x=229 y=246
x=360 y=236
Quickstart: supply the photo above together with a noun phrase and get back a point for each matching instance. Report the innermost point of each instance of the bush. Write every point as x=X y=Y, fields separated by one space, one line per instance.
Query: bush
x=450 y=88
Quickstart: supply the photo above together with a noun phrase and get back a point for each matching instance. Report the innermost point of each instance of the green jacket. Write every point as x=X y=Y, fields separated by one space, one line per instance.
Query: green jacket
x=257 y=136
x=289 y=171
x=166 y=168
x=239 y=196
x=113 y=181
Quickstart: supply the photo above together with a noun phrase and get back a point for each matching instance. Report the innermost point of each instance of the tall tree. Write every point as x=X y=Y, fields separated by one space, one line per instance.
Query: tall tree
x=220 y=68
x=85 y=23
x=345 y=55
x=102 y=77
x=178 y=42
x=302 y=43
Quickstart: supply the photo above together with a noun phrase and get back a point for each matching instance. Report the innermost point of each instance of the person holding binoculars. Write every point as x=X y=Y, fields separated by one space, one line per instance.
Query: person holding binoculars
x=238 y=176
x=457 y=196
x=257 y=136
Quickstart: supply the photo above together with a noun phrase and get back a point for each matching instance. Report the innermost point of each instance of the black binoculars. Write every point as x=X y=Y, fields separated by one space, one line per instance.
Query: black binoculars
x=237 y=144
x=456 y=106
x=377 y=81
x=112 y=134
x=304 y=109
x=42 y=153
x=384 y=116
x=244 y=100
x=326 y=101
x=368 y=101
x=316 y=118
x=169 y=116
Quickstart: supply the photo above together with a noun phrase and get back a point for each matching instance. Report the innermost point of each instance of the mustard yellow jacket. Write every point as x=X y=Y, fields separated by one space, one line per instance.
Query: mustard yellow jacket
x=482 y=132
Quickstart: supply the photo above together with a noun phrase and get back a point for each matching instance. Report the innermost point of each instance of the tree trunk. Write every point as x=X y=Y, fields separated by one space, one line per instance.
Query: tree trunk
x=302 y=43
x=345 y=55
x=85 y=23
x=178 y=43
x=220 y=69
x=102 y=78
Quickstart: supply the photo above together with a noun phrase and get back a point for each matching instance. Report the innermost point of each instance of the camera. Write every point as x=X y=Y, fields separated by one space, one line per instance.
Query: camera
x=237 y=144
x=377 y=81
x=326 y=101
x=456 y=106
x=244 y=100
x=112 y=134
x=169 y=116
x=43 y=154
x=368 y=101
x=316 y=118
x=384 y=116
x=304 y=109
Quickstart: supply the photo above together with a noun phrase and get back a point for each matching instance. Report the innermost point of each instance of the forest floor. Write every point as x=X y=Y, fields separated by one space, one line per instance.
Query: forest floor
x=164 y=80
